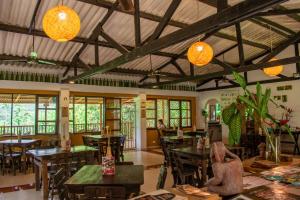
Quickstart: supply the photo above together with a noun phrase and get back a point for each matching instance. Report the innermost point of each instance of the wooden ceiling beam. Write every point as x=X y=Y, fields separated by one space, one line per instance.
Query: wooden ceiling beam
x=276 y=80
x=174 y=63
x=22 y=30
x=165 y=20
x=293 y=16
x=137 y=23
x=246 y=68
x=279 y=12
x=227 y=17
x=266 y=59
x=113 y=42
x=240 y=44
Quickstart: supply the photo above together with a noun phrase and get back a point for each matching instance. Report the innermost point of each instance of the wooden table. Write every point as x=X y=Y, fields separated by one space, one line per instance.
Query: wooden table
x=43 y=156
x=24 y=143
x=129 y=176
x=196 y=154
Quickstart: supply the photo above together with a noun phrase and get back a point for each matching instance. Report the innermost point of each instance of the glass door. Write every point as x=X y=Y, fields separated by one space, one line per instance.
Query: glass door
x=113 y=115
x=128 y=123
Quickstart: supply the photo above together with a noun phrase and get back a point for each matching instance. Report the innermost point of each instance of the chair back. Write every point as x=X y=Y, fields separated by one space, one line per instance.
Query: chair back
x=61 y=161
x=115 y=145
x=104 y=192
x=161 y=177
x=124 y=163
x=102 y=145
x=59 y=179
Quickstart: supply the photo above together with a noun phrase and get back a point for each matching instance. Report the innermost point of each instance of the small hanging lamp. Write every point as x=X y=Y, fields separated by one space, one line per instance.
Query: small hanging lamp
x=273 y=71
x=200 y=54
x=61 y=23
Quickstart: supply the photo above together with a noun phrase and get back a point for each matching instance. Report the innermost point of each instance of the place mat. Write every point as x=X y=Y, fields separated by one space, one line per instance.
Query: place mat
x=196 y=193
x=268 y=193
x=160 y=195
x=250 y=182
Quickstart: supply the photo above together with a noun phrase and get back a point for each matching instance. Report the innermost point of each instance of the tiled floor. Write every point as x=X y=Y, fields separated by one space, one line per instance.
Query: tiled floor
x=151 y=161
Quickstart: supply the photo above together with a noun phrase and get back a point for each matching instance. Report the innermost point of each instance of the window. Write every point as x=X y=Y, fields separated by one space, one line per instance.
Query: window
x=163 y=111
x=85 y=114
x=28 y=114
x=151 y=113
x=113 y=114
x=47 y=114
x=172 y=112
x=186 y=114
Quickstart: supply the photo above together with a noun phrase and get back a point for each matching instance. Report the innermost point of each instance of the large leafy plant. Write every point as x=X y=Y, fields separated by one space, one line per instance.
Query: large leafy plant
x=257 y=103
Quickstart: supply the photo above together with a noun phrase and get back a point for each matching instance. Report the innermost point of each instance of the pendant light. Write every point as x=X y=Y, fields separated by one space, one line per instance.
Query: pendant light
x=200 y=53
x=275 y=70
x=61 y=23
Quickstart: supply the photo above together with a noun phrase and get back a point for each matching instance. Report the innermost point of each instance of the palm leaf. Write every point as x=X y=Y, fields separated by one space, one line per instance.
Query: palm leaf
x=248 y=102
x=239 y=79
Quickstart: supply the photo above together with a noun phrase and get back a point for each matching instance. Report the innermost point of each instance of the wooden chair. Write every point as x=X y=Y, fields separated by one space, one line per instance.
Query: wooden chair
x=29 y=158
x=79 y=160
x=102 y=147
x=122 y=141
x=162 y=177
x=11 y=160
x=115 y=146
x=186 y=170
x=57 y=187
x=105 y=193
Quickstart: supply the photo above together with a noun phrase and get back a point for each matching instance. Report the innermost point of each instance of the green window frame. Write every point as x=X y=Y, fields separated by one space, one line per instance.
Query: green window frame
x=22 y=114
x=151 y=116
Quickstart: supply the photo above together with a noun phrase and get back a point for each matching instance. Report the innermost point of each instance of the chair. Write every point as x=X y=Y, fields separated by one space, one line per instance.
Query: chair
x=11 y=160
x=104 y=192
x=162 y=177
x=29 y=158
x=186 y=169
x=79 y=160
x=57 y=187
x=102 y=147
x=115 y=145
x=123 y=139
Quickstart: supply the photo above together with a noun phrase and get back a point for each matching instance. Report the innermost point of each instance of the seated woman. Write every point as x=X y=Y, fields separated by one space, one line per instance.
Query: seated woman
x=227 y=178
x=160 y=124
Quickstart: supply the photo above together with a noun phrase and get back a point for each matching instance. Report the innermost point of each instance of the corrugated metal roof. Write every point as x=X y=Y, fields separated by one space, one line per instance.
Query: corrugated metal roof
x=120 y=26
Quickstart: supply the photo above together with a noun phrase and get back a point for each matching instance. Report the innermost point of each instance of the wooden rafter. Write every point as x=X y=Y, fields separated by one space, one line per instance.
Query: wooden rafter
x=240 y=44
x=228 y=17
x=165 y=20
x=22 y=30
x=137 y=23
x=264 y=60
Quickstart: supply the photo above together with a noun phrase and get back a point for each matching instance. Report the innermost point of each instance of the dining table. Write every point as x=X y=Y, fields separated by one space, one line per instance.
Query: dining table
x=196 y=155
x=131 y=177
x=42 y=157
x=23 y=143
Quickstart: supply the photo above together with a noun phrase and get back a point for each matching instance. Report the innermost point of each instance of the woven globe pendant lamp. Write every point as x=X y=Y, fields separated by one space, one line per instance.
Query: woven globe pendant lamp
x=273 y=71
x=61 y=23
x=200 y=53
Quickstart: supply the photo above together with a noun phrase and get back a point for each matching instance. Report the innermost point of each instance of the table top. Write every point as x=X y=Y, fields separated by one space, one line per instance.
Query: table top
x=19 y=142
x=102 y=136
x=58 y=150
x=184 y=137
x=91 y=175
x=193 y=151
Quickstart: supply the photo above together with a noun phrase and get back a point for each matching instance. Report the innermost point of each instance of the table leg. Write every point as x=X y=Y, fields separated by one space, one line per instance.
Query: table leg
x=45 y=179
x=37 y=176
x=204 y=172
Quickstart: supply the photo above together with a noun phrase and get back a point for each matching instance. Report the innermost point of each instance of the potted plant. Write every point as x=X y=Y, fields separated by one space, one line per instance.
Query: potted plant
x=257 y=104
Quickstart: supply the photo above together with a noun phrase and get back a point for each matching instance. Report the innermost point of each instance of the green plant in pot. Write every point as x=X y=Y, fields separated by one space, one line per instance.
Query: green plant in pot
x=257 y=104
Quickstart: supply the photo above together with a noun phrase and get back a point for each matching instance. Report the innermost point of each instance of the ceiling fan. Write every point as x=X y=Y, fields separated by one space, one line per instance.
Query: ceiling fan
x=32 y=57
x=154 y=73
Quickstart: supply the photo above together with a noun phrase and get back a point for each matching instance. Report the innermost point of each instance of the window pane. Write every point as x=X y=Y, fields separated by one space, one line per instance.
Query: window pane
x=150 y=104
x=50 y=128
x=71 y=127
x=23 y=114
x=174 y=114
x=113 y=103
x=184 y=113
x=150 y=114
x=94 y=114
x=185 y=105
x=51 y=115
x=47 y=102
x=174 y=122
x=174 y=104
x=42 y=115
x=150 y=123
x=186 y=122
x=79 y=112
x=5 y=114
x=163 y=111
